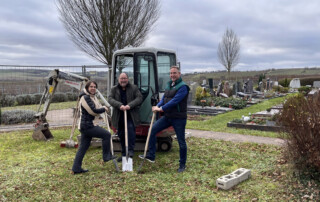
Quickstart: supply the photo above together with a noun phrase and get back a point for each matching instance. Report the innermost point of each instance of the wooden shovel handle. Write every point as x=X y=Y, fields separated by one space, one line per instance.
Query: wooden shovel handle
x=149 y=132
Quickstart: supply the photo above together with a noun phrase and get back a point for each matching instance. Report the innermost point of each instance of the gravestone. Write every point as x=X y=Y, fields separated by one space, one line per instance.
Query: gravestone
x=316 y=84
x=268 y=84
x=226 y=88
x=295 y=83
x=193 y=89
x=210 y=83
x=204 y=83
x=219 y=90
x=261 y=86
x=239 y=89
x=248 y=87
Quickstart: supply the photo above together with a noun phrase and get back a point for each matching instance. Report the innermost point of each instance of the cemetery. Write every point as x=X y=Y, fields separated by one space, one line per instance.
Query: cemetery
x=159 y=101
x=245 y=108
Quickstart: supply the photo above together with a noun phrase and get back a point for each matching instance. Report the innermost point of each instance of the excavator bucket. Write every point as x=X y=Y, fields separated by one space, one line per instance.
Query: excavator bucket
x=42 y=132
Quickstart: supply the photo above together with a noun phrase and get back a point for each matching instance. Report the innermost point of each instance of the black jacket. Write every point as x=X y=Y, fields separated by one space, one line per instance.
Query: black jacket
x=134 y=99
x=86 y=119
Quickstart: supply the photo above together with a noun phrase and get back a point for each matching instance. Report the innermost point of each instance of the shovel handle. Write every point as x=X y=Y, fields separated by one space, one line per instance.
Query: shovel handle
x=105 y=118
x=76 y=114
x=148 y=137
x=126 y=132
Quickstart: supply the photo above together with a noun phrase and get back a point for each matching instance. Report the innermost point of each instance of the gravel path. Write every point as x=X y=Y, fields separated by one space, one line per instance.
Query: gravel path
x=235 y=137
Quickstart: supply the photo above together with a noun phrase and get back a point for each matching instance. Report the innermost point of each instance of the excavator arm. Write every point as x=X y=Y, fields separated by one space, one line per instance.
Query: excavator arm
x=55 y=77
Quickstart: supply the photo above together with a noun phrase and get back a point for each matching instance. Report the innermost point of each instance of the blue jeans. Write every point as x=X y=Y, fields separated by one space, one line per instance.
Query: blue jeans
x=179 y=126
x=131 y=137
x=86 y=137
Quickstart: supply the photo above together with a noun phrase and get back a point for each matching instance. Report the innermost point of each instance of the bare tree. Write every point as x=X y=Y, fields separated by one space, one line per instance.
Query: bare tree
x=100 y=27
x=229 y=50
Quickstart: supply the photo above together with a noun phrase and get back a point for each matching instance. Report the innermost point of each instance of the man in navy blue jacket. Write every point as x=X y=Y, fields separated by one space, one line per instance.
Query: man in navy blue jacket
x=174 y=106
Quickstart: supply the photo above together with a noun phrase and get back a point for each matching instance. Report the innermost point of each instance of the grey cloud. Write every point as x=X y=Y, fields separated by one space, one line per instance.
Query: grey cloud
x=273 y=34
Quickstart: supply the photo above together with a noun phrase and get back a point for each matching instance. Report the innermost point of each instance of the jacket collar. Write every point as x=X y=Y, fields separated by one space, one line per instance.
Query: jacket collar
x=169 y=84
x=87 y=93
x=120 y=87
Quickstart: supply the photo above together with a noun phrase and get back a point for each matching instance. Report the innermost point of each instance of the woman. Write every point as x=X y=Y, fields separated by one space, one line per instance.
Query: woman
x=90 y=107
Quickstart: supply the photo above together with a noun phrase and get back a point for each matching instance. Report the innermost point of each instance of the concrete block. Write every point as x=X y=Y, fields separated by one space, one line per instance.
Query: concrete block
x=228 y=181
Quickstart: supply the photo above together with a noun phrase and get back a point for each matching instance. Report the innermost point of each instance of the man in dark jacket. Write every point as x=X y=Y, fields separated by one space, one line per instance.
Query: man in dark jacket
x=125 y=97
x=174 y=106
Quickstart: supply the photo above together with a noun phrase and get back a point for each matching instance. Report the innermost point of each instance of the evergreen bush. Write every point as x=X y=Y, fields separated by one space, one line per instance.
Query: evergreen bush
x=17 y=116
x=59 y=97
x=304 y=90
x=284 y=82
x=7 y=101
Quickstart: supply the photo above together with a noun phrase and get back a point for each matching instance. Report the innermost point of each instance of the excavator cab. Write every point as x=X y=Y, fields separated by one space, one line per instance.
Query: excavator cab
x=149 y=69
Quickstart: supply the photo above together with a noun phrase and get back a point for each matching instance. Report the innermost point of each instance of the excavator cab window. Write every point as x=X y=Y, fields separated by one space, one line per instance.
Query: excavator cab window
x=165 y=61
x=124 y=63
x=144 y=73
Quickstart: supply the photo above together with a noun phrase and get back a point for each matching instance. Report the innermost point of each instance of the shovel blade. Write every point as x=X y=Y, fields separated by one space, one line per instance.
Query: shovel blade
x=127 y=165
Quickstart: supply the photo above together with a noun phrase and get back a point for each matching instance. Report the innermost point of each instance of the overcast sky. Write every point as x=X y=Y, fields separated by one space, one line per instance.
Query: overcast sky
x=273 y=34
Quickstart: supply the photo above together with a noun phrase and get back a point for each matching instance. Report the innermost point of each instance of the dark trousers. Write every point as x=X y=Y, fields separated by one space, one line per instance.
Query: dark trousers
x=86 y=137
x=179 y=126
x=131 y=137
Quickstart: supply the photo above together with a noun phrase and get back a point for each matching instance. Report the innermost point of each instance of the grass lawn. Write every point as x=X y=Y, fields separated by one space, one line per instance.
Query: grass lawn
x=39 y=171
x=219 y=123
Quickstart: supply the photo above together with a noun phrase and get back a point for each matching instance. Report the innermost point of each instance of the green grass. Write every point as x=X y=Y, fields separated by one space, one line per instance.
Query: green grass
x=219 y=123
x=39 y=171
x=53 y=106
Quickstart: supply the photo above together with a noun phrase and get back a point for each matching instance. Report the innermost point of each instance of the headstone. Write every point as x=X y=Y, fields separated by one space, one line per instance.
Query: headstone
x=316 y=84
x=226 y=88
x=236 y=88
x=204 y=83
x=189 y=101
x=219 y=90
x=248 y=86
x=193 y=89
x=295 y=83
x=239 y=89
x=210 y=83
x=276 y=83
x=268 y=84
x=261 y=86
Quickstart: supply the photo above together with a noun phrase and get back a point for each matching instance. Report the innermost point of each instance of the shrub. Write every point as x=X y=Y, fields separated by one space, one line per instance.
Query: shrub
x=59 y=97
x=236 y=103
x=276 y=88
x=284 y=90
x=304 y=90
x=17 y=116
x=72 y=96
x=308 y=81
x=201 y=93
x=24 y=99
x=300 y=118
x=7 y=100
x=35 y=98
x=284 y=82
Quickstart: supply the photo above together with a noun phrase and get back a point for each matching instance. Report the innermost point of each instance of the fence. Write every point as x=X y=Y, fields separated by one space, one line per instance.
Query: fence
x=16 y=81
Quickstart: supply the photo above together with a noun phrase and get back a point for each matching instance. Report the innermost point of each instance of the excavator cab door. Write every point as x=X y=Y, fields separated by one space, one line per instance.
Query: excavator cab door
x=145 y=78
x=141 y=69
